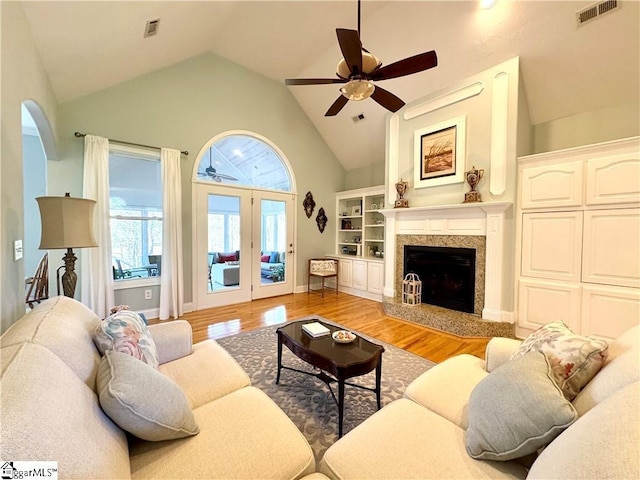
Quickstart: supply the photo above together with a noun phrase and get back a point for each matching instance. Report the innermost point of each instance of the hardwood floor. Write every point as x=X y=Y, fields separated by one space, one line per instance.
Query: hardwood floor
x=353 y=312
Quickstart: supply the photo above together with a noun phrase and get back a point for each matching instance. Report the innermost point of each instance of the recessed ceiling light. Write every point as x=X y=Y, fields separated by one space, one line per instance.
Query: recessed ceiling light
x=487 y=3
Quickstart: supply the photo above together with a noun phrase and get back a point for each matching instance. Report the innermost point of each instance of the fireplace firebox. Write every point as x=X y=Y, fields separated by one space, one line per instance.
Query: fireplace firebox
x=447 y=275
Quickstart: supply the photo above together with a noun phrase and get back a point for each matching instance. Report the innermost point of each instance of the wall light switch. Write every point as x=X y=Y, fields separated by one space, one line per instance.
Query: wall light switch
x=17 y=250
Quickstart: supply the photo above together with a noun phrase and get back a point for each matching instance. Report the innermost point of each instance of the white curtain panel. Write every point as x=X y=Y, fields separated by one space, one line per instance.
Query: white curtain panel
x=171 y=277
x=96 y=277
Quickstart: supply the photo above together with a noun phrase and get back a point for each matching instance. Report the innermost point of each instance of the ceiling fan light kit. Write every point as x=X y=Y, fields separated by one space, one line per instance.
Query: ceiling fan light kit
x=358 y=89
x=358 y=69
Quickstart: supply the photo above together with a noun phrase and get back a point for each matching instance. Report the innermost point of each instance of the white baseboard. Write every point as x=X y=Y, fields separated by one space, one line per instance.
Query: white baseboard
x=498 y=315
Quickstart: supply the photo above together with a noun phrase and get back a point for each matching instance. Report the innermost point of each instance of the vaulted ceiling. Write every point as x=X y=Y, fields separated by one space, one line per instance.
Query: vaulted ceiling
x=566 y=69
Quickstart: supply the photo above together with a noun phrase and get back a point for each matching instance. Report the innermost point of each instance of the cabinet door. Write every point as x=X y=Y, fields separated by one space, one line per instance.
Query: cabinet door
x=345 y=268
x=541 y=302
x=375 y=277
x=551 y=245
x=611 y=240
x=552 y=186
x=359 y=274
x=609 y=311
x=613 y=179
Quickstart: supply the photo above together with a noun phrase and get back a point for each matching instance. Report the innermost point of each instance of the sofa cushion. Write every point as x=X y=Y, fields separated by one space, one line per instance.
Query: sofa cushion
x=265 y=258
x=48 y=413
x=621 y=368
x=65 y=327
x=227 y=257
x=142 y=400
x=574 y=359
x=407 y=441
x=126 y=332
x=601 y=444
x=274 y=257
x=445 y=388
x=244 y=435
x=516 y=409
x=207 y=374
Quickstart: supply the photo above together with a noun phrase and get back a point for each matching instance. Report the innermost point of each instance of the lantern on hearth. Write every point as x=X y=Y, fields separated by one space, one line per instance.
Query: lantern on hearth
x=411 y=290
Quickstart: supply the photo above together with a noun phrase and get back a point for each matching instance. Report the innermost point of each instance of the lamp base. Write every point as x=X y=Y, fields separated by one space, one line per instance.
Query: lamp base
x=69 y=277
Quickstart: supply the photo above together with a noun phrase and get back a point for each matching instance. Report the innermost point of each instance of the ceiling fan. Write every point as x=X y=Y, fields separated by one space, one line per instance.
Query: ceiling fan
x=359 y=69
x=212 y=172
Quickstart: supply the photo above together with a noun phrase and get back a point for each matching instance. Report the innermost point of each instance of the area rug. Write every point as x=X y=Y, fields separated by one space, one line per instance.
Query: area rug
x=305 y=399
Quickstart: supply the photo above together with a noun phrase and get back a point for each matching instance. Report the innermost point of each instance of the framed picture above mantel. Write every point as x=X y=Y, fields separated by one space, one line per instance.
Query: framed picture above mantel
x=439 y=153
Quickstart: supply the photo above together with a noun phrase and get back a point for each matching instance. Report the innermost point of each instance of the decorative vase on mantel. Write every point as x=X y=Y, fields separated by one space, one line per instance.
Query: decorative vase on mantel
x=473 y=177
x=401 y=188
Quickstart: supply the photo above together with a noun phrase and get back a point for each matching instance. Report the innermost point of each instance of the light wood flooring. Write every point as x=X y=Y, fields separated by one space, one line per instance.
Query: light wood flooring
x=355 y=313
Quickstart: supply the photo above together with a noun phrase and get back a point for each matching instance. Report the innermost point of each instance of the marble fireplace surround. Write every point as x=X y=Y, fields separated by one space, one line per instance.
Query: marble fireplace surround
x=474 y=225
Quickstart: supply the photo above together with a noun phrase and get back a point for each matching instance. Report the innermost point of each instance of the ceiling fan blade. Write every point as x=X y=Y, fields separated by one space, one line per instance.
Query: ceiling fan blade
x=351 y=48
x=340 y=102
x=226 y=177
x=387 y=99
x=408 y=66
x=312 y=81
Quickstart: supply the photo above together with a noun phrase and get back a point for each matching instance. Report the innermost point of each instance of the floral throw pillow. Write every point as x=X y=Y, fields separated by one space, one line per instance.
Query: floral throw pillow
x=124 y=331
x=574 y=359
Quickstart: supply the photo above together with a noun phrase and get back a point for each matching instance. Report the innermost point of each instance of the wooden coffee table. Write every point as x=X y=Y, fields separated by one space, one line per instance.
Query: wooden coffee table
x=340 y=360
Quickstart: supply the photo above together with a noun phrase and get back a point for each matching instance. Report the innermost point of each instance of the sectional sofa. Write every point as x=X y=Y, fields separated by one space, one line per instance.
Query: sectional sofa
x=425 y=434
x=51 y=409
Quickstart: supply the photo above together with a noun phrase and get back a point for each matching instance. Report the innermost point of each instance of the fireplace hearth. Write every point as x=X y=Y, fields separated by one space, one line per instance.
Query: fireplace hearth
x=447 y=275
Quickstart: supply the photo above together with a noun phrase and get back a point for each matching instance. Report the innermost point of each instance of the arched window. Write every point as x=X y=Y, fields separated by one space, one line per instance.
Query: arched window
x=244 y=159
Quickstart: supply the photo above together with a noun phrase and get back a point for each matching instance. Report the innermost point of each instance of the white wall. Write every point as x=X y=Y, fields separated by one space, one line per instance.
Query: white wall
x=479 y=111
x=23 y=78
x=185 y=105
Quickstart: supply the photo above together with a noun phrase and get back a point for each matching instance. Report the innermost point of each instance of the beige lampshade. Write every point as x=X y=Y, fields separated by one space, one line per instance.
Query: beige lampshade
x=67 y=222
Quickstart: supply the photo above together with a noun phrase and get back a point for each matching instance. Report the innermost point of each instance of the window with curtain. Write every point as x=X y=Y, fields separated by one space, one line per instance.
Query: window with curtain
x=135 y=198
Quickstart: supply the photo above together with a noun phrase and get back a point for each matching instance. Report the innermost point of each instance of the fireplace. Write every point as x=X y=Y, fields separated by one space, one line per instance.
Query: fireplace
x=447 y=274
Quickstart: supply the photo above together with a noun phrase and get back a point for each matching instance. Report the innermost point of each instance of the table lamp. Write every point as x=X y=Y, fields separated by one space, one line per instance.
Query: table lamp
x=67 y=223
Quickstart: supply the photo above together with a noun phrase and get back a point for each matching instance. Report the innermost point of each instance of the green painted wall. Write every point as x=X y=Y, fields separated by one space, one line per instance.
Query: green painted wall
x=23 y=78
x=183 y=106
x=596 y=126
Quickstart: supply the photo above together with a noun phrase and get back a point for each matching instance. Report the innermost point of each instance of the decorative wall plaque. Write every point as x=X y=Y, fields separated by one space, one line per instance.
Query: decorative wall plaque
x=309 y=204
x=321 y=220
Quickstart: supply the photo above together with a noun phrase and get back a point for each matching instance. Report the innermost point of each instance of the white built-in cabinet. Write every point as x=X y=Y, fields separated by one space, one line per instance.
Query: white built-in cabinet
x=578 y=239
x=359 y=245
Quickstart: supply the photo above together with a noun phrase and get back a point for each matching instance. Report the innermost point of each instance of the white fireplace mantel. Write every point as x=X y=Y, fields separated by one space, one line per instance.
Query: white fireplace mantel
x=486 y=219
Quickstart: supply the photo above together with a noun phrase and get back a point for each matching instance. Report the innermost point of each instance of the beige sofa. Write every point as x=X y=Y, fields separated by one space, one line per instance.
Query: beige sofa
x=423 y=434
x=50 y=409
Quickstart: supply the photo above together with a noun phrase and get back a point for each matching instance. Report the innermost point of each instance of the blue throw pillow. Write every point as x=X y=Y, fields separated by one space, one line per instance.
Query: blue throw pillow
x=274 y=257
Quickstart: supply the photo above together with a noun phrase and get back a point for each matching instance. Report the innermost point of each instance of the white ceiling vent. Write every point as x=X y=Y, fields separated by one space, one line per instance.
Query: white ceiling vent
x=152 y=27
x=596 y=10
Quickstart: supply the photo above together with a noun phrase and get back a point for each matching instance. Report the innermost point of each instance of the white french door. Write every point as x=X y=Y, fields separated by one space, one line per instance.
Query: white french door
x=243 y=245
x=272 y=233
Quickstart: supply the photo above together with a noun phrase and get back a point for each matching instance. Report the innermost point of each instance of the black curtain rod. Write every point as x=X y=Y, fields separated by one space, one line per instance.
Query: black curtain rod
x=80 y=135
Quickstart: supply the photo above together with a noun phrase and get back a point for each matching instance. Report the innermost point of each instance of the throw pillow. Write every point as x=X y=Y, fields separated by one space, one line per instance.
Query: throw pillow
x=227 y=257
x=126 y=332
x=265 y=258
x=274 y=257
x=574 y=359
x=516 y=409
x=143 y=401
